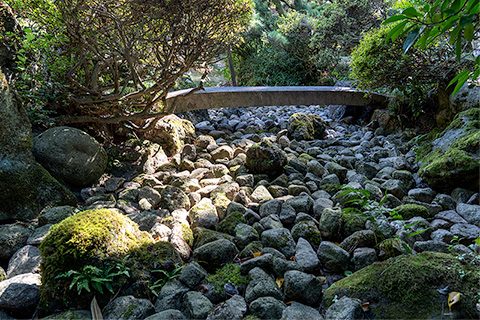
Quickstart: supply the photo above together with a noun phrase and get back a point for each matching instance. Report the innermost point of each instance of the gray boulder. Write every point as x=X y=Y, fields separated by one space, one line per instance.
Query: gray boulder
x=12 y=237
x=174 y=198
x=261 y=285
x=363 y=257
x=306 y=127
x=333 y=257
x=469 y=212
x=167 y=315
x=267 y=308
x=216 y=253
x=264 y=157
x=128 y=308
x=171 y=296
x=20 y=294
x=192 y=275
x=302 y=287
x=330 y=222
x=280 y=239
x=306 y=256
x=232 y=309
x=26 y=260
x=298 y=311
x=172 y=132
x=345 y=309
x=203 y=214
x=196 y=305
x=71 y=155
x=55 y=215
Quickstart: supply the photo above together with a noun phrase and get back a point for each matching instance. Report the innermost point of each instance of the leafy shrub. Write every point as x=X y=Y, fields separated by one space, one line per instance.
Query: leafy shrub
x=380 y=65
x=116 y=61
x=303 y=44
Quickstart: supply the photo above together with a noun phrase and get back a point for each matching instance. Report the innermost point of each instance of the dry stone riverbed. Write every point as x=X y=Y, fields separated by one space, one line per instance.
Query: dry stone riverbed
x=277 y=214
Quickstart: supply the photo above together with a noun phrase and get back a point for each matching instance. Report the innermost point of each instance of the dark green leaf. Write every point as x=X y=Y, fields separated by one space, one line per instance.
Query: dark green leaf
x=423 y=40
x=456 y=5
x=444 y=5
x=395 y=18
x=396 y=31
x=468 y=32
x=411 y=38
x=474 y=7
x=458 y=47
x=454 y=35
x=460 y=75
x=464 y=20
x=411 y=12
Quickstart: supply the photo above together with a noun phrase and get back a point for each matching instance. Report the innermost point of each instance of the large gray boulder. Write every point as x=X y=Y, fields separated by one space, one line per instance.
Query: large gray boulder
x=71 y=155
x=26 y=260
x=19 y=295
x=12 y=237
x=302 y=287
x=25 y=187
x=216 y=253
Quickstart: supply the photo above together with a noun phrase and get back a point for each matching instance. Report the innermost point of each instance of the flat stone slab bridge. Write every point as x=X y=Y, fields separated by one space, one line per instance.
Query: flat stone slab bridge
x=227 y=97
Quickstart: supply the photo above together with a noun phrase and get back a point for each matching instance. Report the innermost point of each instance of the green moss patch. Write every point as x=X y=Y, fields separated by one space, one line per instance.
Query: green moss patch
x=229 y=273
x=408 y=211
x=228 y=224
x=406 y=287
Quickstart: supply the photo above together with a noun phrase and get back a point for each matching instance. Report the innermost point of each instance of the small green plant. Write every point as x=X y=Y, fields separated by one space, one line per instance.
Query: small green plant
x=165 y=276
x=94 y=277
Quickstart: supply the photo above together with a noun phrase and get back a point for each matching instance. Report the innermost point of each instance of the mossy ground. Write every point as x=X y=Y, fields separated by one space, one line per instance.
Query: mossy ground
x=405 y=287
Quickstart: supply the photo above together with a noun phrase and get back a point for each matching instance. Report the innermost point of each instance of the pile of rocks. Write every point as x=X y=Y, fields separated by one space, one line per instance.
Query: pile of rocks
x=249 y=195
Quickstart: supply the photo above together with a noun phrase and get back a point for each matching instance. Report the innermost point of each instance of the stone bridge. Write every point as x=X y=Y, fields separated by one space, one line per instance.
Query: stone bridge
x=226 y=97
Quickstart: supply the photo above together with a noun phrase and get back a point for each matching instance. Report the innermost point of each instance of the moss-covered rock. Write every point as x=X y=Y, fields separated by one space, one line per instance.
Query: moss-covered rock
x=352 y=222
x=228 y=224
x=203 y=236
x=411 y=210
x=264 y=157
x=406 y=287
x=32 y=187
x=454 y=156
x=306 y=127
x=172 y=133
x=307 y=230
x=92 y=237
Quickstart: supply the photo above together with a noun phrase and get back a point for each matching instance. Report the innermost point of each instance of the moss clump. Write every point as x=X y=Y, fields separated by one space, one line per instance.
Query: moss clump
x=305 y=158
x=94 y=237
x=228 y=224
x=405 y=287
x=187 y=234
x=411 y=210
x=229 y=273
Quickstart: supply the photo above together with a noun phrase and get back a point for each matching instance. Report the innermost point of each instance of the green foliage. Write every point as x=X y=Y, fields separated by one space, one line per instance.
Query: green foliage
x=424 y=23
x=229 y=273
x=383 y=66
x=116 y=60
x=165 y=276
x=93 y=277
x=302 y=44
